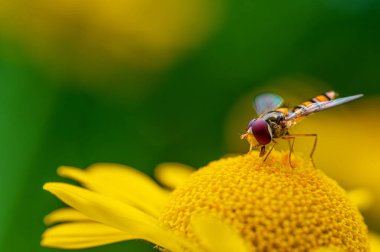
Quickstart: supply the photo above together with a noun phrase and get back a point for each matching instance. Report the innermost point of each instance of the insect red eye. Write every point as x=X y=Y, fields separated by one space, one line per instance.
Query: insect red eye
x=261 y=131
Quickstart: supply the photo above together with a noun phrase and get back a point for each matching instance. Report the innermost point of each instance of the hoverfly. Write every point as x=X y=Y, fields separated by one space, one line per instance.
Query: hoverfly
x=274 y=121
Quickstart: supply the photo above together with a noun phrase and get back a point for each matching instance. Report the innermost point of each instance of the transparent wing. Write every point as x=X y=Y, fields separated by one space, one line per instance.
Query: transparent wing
x=266 y=102
x=319 y=106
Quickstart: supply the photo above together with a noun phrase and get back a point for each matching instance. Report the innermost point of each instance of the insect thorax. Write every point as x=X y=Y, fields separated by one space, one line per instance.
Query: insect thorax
x=276 y=121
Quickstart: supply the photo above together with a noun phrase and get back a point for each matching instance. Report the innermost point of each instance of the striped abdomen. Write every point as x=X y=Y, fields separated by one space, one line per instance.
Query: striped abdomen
x=327 y=96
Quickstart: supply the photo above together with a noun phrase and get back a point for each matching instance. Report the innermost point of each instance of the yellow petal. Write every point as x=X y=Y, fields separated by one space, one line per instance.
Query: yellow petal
x=121 y=182
x=66 y=214
x=116 y=214
x=216 y=236
x=172 y=175
x=374 y=242
x=78 y=235
x=362 y=198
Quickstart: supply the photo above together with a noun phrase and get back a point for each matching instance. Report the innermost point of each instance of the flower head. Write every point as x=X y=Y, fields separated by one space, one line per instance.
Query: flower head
x=233 y=204
x=272 y=206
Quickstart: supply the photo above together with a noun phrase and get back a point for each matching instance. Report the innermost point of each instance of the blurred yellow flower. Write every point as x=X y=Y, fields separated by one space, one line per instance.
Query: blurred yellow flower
x=234 y=204
x=350 y=133
x=91 y=38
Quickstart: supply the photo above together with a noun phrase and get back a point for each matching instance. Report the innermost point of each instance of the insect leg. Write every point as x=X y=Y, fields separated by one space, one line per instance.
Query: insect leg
x=274 y=143
x=314 y=145
x=291 y=140
x=262 y=151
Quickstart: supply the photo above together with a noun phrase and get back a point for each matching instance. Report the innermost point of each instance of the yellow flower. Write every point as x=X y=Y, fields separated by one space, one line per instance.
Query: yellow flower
x=233 y=204
x=96 y=39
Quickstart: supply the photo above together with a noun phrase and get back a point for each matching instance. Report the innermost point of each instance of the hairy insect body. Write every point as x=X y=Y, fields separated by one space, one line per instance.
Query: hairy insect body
x=277 y=123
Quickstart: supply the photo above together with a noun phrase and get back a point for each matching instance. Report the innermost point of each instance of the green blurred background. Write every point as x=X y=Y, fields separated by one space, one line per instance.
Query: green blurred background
x=139 y=83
